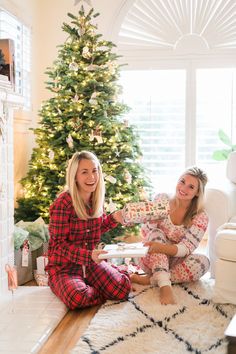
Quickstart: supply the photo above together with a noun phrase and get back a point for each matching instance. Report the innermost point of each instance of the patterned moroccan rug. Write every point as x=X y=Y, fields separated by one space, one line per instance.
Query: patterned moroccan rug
x=141 y=325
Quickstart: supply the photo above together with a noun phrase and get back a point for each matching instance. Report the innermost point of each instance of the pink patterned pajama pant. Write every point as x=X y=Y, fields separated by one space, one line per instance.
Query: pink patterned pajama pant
x=165 y=270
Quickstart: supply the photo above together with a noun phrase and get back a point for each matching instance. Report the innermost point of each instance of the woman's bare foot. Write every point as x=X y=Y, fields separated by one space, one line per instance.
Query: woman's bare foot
x=166 y=295
x=140 y=279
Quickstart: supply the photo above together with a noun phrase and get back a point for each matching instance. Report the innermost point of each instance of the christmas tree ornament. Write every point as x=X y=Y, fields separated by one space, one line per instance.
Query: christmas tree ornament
x=81 y=31
x=76 y=123
x=111 y=206
x=143 y=194
x=51 y=155
x=112 y=67
x=93 y=100
x=128 y=177
x=111 y=179
x=104 y=49
x=86 y=53
x=73 y=66
x=75 y=98
x=70 y=141
x=126 y=123
x=99 y=138
x=91 y=136
x=92 y=67
x=96 y=134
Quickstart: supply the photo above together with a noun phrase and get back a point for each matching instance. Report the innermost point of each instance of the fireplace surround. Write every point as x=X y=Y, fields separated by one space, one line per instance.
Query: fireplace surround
x=9 y=101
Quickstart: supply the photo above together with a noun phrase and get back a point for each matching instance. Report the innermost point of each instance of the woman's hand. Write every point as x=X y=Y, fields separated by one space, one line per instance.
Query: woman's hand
x=95 y=254
x=158 y=247
x=117 y=215
x=154 y=246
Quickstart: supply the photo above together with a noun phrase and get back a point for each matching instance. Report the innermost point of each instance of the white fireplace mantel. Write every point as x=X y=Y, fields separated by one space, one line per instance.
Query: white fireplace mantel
x=9 y=101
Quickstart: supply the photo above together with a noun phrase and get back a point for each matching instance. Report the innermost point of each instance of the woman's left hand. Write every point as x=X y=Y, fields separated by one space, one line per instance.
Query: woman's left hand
x=154 y=246
x=158 y=247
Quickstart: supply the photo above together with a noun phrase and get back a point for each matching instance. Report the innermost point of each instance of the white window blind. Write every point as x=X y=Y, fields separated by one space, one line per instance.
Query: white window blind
x=12 y=28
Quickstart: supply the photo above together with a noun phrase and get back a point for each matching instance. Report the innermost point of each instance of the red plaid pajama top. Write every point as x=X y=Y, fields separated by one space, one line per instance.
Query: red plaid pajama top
x=70 y=247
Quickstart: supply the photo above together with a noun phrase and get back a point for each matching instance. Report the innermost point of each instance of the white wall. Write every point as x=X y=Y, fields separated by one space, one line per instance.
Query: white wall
x=22 y=9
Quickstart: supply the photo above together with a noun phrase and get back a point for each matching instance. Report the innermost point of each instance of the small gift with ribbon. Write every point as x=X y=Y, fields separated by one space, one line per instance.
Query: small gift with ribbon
x=40 y=274
x=41 y=261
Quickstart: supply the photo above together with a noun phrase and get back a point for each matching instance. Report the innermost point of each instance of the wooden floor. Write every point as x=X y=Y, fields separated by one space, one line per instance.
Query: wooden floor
x=68 y=332
x=73 y=325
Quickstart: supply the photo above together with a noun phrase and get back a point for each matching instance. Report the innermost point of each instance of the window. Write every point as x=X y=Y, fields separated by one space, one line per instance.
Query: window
x=171 y=138
x=216 y=109
x=158 y=112
x=186 y=50
x=12 y=28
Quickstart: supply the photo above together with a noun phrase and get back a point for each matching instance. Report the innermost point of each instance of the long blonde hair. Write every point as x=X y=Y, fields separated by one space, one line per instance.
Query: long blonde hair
x=97 y=196
x=197 y=203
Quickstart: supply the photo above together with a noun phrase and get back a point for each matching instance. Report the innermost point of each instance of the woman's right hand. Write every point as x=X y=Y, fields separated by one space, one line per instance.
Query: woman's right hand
x=95 y=254
x=117 y=215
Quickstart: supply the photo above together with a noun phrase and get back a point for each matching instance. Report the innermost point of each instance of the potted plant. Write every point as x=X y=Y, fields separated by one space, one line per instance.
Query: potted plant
x=223 y=154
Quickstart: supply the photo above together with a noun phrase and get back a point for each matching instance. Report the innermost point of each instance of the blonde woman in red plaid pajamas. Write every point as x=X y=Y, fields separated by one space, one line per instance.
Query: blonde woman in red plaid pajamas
x=180 y=223
x=77 y=221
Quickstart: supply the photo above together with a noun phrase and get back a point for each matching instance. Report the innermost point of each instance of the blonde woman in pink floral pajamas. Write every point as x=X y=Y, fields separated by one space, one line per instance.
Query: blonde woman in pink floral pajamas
x=172 y=238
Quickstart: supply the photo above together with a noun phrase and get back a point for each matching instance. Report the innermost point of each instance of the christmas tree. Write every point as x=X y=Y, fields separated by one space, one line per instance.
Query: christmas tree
x=84 y=113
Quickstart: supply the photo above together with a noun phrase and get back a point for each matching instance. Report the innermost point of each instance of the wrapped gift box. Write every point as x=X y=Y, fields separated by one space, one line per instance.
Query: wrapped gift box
x=25 y=274
x=41 y=261
x=124 y=250
x=41 y=279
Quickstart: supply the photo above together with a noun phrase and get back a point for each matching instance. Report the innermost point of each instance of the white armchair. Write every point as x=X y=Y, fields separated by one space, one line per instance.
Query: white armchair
x=221 y=206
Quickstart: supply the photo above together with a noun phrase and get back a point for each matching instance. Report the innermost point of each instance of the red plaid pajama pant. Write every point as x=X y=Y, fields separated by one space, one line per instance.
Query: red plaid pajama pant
x=103 y=282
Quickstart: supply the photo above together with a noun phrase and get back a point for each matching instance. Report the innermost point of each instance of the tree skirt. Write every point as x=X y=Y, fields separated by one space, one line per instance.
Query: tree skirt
x=141 y=325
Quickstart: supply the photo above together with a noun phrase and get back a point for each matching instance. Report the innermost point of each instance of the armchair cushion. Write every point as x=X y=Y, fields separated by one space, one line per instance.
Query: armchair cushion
x=220 y=204
x=231 y=167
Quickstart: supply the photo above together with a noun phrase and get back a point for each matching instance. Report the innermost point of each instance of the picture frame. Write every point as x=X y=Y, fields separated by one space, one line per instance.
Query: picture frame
x=7 y=61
